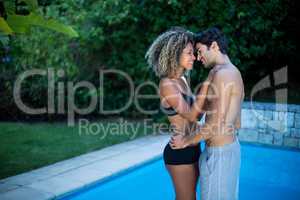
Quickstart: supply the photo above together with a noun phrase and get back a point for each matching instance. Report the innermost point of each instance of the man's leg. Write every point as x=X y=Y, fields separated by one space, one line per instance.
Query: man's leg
x=219 y=172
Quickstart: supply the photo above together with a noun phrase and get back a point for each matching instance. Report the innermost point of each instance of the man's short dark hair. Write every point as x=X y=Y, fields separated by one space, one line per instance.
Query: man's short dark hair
x=211 y=35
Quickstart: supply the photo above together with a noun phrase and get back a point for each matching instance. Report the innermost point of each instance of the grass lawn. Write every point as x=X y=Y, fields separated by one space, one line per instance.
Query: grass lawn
x=27 y=146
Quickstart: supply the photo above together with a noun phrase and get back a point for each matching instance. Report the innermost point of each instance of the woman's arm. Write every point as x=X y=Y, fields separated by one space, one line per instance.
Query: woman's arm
x=170 y=93
x=179 y=141
x=198 y=105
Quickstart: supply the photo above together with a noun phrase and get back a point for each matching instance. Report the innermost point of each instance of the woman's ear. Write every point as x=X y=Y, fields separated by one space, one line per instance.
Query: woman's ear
x=214 y=45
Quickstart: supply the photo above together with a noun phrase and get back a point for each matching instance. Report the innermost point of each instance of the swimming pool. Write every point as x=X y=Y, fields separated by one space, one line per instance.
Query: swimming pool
x=266 y=173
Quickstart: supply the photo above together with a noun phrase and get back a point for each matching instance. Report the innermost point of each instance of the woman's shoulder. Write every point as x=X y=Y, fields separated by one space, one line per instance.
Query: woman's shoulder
x=167 y=79
x=168 y=85
x=167 y=82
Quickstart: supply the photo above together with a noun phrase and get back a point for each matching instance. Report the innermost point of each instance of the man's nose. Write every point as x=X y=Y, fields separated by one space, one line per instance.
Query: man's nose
x=194 y=58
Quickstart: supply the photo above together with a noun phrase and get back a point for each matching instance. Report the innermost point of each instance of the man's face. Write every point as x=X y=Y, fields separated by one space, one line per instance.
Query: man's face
x=205 y=55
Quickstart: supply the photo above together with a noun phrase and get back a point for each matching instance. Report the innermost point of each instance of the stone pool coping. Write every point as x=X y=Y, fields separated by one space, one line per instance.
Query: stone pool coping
x=65 y=177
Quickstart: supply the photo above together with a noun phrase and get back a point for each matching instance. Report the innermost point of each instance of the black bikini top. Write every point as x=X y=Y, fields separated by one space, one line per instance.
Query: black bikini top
x=170 y=111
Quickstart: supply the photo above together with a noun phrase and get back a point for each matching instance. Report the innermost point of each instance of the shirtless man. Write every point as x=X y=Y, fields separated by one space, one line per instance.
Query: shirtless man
x=220 y=161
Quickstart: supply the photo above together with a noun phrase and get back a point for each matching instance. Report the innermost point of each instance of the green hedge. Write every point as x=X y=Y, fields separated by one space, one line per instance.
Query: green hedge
x=114 y=34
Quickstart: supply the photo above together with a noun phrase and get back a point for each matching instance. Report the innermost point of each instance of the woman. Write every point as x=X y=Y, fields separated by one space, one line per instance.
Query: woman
x=170 y=55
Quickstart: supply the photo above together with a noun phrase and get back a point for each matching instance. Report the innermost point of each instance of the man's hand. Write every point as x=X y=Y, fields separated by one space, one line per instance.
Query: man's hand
x=179 y=142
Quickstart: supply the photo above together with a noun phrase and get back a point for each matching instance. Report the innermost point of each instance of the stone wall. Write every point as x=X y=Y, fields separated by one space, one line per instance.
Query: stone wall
x=272 y=124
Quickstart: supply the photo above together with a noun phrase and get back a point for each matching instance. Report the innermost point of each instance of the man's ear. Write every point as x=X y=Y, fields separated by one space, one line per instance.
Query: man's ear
x=214 y=45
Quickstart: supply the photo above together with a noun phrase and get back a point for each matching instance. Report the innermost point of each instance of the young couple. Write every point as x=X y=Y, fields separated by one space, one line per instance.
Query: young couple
x=220 y=99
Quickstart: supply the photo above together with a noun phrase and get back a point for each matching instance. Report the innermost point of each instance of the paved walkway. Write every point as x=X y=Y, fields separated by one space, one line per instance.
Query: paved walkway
x=67 y=176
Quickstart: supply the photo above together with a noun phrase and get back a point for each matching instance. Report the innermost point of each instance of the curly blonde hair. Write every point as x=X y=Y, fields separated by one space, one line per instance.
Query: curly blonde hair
x=164 y=53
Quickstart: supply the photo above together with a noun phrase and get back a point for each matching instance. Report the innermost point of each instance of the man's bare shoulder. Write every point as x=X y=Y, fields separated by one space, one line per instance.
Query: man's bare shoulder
x=227 y=73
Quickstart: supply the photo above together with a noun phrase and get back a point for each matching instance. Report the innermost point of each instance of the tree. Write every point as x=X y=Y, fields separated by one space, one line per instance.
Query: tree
x=20 y=15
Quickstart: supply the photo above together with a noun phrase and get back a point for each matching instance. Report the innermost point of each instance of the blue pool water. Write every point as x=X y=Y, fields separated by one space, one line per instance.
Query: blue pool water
x=266 y=173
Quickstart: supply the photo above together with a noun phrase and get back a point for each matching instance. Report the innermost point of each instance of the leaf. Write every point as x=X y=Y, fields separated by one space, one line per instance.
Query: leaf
x=19 y=23
x=4 y=27
x=56 y=26
x=22 y=24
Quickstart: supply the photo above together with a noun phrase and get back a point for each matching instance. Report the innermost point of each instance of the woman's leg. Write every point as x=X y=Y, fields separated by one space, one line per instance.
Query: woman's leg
x=184 y=179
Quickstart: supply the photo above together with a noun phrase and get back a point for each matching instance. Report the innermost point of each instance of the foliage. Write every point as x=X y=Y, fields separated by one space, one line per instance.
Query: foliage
x=17 y=23
x=115 y=34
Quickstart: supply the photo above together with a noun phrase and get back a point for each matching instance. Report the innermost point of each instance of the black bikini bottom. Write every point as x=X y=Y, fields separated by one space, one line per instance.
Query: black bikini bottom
x=188 y=155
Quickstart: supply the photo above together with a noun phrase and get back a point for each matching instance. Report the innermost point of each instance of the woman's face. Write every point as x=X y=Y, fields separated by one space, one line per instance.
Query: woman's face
x=187 y=57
